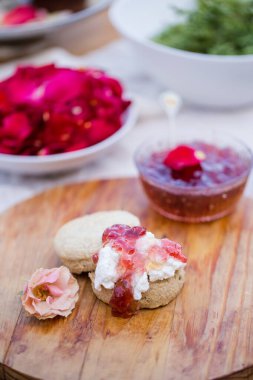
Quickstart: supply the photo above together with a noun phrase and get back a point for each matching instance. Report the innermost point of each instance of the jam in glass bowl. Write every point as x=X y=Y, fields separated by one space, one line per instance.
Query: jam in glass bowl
x=195 y=179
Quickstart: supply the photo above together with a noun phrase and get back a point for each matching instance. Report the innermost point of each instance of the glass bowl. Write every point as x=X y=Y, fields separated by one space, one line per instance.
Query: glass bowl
x=217 y=188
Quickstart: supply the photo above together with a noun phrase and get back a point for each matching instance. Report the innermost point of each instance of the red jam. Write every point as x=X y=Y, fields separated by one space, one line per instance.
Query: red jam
x=122 y=301
x=172 y=249
x=95 y=258
x=197 y=191
x=123 y=239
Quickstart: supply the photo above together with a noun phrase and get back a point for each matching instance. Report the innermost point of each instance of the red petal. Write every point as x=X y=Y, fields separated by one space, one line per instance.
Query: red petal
x=16 y=126
x=100 y=130
x=5 y=104
x=22 y=14
x=181 y=157
x=65 y=85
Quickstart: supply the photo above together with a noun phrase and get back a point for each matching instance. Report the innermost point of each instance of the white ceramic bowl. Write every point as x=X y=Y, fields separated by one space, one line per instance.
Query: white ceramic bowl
x=66 y=161
x=52 y=24
x=207 y=80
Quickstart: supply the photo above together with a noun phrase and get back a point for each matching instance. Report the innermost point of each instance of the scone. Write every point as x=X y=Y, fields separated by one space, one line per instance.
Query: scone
x=78 y=240
x=160 y=293
x=136 y=270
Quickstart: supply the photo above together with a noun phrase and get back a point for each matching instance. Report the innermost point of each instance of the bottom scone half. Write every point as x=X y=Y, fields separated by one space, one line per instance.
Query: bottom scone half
x=160 y=292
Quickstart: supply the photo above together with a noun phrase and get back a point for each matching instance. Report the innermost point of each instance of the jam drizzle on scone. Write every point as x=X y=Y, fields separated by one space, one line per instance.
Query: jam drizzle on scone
x=123 y=240
x=138 y=257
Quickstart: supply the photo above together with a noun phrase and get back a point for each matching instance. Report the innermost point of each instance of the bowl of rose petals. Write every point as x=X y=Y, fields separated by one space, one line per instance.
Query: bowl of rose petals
x=56 y=118
x=20 y=20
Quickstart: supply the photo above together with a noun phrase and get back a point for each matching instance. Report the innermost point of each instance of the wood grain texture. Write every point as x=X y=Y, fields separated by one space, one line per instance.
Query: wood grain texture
x=206 y=333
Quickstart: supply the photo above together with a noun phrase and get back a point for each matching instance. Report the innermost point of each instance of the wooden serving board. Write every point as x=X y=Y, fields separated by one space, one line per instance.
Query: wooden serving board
x=207 y=332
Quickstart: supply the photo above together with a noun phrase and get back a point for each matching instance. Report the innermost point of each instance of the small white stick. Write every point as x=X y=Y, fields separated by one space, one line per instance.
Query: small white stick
x=171 y=103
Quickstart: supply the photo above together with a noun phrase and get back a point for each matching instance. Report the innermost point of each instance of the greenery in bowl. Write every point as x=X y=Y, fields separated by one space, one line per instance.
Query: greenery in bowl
x=222 y=27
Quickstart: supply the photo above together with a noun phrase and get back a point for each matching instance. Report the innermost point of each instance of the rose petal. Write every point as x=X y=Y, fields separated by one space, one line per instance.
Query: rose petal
x=64 y=85
x=183 y=156
x=44 y=276
x=55 y=291
x=16 y=126
x=22 y=14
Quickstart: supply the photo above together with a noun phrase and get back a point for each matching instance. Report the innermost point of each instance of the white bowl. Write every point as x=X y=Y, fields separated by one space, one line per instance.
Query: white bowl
x=208 y=80
x=52 y=24
x=66 y=161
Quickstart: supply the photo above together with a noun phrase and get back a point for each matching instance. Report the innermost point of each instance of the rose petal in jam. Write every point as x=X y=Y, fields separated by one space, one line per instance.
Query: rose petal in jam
x=185 y=163
x=183 y=156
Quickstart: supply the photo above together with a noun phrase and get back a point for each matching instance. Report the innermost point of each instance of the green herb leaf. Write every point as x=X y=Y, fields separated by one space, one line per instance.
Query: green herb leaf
x=223 y=27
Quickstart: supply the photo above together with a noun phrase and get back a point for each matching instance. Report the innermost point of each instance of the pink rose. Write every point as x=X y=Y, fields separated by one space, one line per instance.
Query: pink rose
x=50 y=292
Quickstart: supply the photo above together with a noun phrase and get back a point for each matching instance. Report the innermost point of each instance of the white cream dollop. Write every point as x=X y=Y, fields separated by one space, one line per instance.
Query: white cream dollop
x=140 y=284
x=166 y=270
x=106 y=273
x=145 y=242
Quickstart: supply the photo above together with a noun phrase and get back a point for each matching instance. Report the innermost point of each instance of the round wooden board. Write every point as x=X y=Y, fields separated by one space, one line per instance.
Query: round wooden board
x=207 y=332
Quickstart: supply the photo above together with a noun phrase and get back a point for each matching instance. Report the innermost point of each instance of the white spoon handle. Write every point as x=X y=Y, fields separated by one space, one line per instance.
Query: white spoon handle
x=171 y=103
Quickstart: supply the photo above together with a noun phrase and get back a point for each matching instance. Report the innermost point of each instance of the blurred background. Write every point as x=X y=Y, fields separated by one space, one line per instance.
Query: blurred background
x=200 y=51
x=82 y=25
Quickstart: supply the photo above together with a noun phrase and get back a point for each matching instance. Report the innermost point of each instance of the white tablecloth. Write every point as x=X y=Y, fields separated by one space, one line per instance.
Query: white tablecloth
x=117 y=58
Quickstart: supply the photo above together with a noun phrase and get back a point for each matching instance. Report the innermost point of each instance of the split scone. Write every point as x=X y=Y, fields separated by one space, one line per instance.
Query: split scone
x=78 y=240
x=136 y=270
